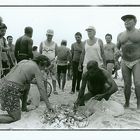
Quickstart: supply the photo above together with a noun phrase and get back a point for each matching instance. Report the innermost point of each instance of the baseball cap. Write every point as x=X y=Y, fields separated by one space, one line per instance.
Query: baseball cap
x=91 y=28
x=50 y=32
x=128 y=16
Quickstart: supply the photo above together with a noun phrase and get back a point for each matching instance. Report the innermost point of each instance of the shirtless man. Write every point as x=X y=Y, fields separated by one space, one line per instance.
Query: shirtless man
x=99 y=83
x=14 y=85
x=23 y=46
x=76 y=50
x=11 y=51
x=4 y=63
x=109 y=49
x=129 y=42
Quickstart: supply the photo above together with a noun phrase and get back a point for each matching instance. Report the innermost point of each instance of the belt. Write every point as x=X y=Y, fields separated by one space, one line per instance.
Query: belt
x=109 y=61
x=23 y=54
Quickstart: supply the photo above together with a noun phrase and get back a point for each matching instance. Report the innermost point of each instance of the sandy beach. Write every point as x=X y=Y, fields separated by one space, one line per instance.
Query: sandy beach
x=105 y=115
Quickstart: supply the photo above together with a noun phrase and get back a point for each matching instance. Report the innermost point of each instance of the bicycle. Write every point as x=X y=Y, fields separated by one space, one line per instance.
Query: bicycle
x=49 y=87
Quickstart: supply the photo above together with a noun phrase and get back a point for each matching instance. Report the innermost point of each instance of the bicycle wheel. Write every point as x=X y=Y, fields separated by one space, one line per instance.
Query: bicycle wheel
x=49 y=88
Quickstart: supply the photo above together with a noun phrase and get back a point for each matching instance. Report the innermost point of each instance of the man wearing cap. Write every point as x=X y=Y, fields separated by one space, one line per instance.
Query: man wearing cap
x=23 y=46
x=93 y=50
x=49 y=48
x=129 y=43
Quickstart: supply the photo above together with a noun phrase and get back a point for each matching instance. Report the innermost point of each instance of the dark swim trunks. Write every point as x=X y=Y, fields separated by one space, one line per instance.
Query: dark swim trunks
x=61 y=69
x=109 y=61
x=10 y=93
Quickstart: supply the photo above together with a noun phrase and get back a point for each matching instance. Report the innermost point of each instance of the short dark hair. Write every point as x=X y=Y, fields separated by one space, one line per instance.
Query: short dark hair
x=108 y=35
x=28 y=30
x=42 y=60
x=92 y=65
x=9 y=36
x=3 y=26
x=64 y=42
x=34 y=48
x=78 y=33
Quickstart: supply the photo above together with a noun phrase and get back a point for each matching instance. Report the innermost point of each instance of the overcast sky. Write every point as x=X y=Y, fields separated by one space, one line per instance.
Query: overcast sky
x=66 y=21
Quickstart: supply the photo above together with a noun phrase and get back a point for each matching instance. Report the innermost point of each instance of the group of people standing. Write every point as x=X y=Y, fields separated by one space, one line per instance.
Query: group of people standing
x=91 y=61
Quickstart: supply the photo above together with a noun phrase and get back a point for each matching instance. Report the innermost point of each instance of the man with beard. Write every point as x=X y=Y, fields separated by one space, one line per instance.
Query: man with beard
x=99 y=83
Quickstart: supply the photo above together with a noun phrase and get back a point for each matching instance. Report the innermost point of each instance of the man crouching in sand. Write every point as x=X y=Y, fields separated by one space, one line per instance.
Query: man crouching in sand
x=99 y=83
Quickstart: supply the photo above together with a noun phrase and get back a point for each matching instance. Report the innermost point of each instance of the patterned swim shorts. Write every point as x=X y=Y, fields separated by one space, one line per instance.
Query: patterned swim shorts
x=10 y=93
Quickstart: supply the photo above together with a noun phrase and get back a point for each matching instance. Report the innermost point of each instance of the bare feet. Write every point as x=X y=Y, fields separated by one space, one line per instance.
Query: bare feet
x=63 y=90
x=24 y=109
x=138 y=107
x=126 y=105
x=55 y=92
x=72 y=92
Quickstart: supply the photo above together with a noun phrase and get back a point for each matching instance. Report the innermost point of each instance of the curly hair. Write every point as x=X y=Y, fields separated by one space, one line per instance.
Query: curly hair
x=42 y=60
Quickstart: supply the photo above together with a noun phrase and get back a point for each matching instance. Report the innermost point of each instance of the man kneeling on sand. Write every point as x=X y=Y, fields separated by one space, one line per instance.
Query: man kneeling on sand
x=99 y=83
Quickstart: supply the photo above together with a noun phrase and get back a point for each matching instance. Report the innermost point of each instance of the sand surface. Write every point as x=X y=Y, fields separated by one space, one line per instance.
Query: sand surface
x=107 y=115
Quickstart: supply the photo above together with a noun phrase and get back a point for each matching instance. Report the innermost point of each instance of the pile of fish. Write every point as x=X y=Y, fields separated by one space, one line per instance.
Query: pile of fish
x=65 y=118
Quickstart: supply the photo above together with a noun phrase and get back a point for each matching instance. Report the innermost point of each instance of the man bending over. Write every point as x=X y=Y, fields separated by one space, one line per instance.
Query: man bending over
x=99 y=83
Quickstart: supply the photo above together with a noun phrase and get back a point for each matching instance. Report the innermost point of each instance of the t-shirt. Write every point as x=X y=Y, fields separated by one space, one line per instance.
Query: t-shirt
x=63 y=55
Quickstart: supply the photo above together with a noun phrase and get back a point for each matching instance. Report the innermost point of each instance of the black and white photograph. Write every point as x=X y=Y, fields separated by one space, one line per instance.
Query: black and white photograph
x=70 y=66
